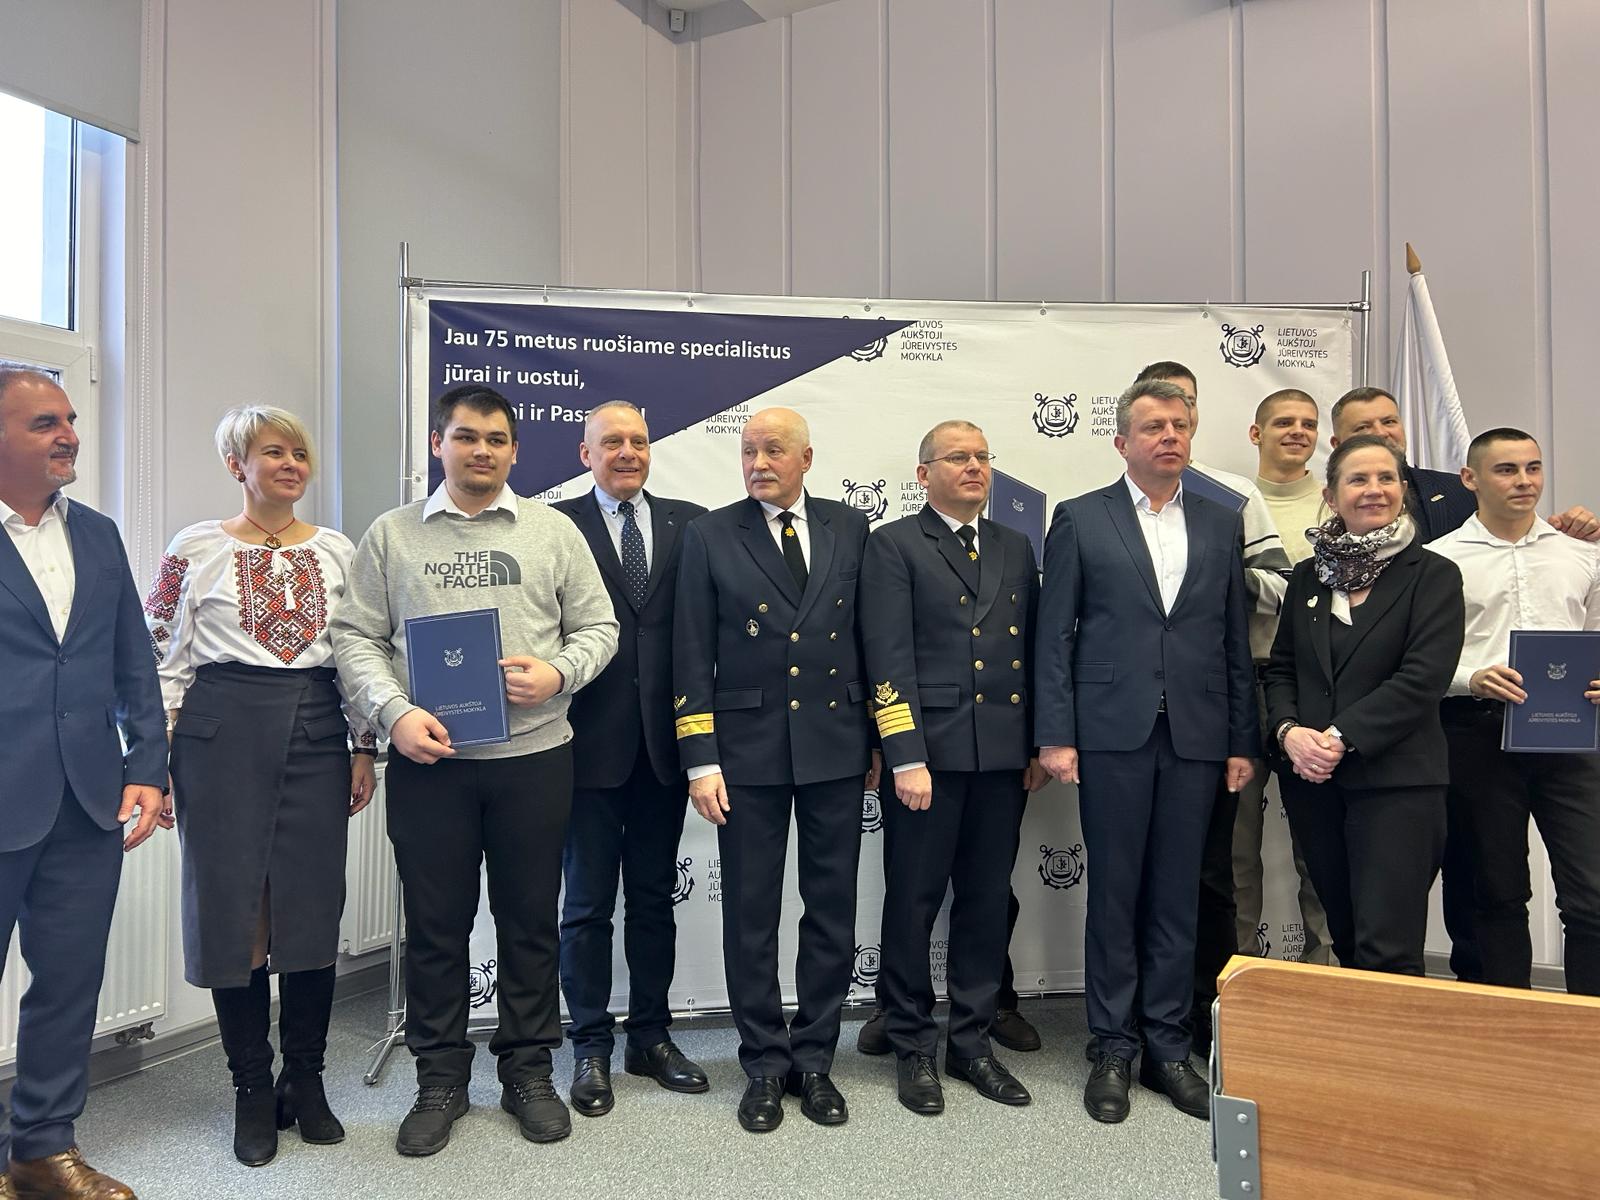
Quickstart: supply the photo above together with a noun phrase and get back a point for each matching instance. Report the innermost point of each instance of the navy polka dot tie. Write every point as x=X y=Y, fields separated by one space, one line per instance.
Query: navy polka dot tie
x=635 y=568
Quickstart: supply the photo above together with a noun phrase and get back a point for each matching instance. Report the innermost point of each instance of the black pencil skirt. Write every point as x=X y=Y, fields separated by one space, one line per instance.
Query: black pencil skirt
x=261 y=786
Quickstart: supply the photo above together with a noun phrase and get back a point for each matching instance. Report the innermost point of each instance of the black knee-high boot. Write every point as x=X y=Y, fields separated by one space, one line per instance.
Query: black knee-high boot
x=243 y=1018
x=305 y=999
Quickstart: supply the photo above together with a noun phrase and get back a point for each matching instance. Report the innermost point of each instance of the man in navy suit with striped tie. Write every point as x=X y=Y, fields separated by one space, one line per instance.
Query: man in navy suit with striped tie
x=629 y=796
x=79 y=671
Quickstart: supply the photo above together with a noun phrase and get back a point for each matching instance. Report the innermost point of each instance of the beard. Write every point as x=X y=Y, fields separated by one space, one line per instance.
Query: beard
x=61 y=472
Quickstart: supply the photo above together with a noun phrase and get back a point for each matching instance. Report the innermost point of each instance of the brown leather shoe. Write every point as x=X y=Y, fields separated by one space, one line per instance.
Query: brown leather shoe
x=64 y=1176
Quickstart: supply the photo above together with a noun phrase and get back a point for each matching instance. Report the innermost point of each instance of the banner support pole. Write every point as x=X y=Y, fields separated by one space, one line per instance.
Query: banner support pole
x=1366 y=327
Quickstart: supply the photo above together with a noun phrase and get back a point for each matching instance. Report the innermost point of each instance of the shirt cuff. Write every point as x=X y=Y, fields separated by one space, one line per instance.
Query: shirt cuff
x=703 y=770
x=912 y=766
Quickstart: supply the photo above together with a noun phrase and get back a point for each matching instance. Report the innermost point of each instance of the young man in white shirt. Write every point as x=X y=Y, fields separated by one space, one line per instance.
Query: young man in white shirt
x=1519 y=572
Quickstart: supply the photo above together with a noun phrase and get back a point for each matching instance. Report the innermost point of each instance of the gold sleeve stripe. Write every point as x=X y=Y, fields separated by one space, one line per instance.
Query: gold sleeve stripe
x=895 y=719
x=694 y=724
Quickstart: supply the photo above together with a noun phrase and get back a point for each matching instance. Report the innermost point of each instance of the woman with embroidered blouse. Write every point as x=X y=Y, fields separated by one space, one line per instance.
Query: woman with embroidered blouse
x=268 y=766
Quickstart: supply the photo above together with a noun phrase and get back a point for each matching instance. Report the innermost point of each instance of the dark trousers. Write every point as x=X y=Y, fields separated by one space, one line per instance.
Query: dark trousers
x=1144 y=818
x=967 y=839
x=1492 y=795
x=447 y=821
x=1216 y=937
x=1372 y=854
x=1008 y=999
x=633 y=829
x=1455 y=892
x=753 y=846
x=61 y=891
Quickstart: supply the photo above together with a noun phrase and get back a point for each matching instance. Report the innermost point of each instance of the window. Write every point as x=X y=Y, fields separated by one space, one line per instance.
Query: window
x=37 y=206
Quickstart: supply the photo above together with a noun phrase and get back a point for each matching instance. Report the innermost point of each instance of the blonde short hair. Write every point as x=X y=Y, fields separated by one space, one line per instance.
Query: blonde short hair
x=240 y=427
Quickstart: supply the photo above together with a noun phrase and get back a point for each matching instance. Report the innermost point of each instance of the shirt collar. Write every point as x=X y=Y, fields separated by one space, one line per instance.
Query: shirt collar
x=56 y=506
x=954 y=524
x=772 y=510
x=1474 y=530
x=609 y=503
x=440 y=502
x=1140 y=500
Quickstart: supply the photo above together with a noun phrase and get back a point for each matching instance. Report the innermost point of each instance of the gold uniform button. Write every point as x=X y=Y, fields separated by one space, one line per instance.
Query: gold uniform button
x=794 y=704
x=963 y=599
x=1015 y=631
x=979 y=697
x=1016 y=664
x=794 y=670
x=761 y=608
x=1016 y=699
x=976 y=631
x=833 y=704
x=833 y=671
x=978 y=666
x=839 y=603
x=1013 y=597
x=794 y=637
x=833 y=637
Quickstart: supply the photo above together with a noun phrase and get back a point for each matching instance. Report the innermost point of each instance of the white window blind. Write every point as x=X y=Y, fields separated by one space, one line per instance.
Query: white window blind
x=77 y=57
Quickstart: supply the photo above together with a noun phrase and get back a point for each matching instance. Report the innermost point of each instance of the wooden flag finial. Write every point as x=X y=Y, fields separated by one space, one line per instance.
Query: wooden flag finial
x=1413 y=263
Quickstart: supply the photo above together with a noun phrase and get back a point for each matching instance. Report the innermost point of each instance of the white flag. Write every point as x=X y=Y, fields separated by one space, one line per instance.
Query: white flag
x=1436 y=428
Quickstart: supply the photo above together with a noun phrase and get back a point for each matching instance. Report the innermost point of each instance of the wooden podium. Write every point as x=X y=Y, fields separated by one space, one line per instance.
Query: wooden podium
x=1350 y=1085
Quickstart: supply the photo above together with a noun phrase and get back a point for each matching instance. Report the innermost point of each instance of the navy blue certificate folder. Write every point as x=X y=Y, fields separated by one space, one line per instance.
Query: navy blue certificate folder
x=454 y=663
x=1556 y=667
x=1018 y=506
x=1198 y=483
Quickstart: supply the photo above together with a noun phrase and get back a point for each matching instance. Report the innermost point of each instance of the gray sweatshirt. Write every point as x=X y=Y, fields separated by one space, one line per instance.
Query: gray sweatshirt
x=531 y=564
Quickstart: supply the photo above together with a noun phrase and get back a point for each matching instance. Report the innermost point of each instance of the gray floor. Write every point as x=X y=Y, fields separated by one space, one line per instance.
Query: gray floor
x=168 y=1131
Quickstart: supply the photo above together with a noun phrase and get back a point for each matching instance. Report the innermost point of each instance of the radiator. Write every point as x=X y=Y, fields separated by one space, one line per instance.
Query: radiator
x=135 y=987
x=369 y=875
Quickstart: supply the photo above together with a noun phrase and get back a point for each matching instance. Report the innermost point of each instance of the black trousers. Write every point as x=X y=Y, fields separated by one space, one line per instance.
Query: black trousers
x=1144 y=817
x=1492 y=795
x=60 y=891
x=446 y=821
x=634 y=830
x=1008 y=999
x=966 y=839
x=754 y=844
x=1372 y=854
x=1216 y=934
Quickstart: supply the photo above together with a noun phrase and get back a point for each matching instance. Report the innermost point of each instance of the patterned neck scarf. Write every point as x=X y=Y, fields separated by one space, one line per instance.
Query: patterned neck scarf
x=1351 y=562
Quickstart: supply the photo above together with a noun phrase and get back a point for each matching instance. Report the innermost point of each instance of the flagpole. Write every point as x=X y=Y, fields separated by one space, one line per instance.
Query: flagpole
x=1366 y=326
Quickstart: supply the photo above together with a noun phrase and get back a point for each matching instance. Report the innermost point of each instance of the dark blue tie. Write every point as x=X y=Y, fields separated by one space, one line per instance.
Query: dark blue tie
x=635 y=568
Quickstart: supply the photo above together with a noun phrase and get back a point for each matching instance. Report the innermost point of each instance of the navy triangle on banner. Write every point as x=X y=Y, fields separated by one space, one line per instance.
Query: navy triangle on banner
x=556 y=362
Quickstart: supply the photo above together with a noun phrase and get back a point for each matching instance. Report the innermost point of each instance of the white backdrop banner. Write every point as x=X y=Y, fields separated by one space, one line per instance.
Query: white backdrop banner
x=870 y=378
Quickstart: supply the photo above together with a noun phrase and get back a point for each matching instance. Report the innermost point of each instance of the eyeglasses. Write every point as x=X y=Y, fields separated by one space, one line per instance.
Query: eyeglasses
x=960 y=459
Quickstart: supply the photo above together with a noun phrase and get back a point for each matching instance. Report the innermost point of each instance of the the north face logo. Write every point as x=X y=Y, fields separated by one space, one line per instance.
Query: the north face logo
x=476 y=569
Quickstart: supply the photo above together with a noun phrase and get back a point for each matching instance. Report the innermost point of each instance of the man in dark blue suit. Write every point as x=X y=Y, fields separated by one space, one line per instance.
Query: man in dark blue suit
x=771 y=714
x=947 y=613
x=1145 y=697
x=1441 y=504
x=78 y=669
x=629 y=799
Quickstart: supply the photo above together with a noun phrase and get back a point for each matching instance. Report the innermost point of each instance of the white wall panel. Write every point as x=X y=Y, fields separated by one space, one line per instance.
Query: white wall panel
x=1052 y=161
x=1461 y=162
x=1174 y=150
x=939 y=170
x=837 y=164
x=743 y=160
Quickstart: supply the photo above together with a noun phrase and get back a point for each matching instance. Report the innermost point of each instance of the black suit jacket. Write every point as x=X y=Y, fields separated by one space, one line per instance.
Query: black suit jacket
x=1108 y=652
x=632 y=697
x=940 y=631
x=769 y=681
x=1383 y=689
x=1440 y=502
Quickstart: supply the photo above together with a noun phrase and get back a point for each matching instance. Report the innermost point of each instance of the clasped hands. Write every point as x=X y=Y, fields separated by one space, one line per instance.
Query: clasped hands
x=1314 y=753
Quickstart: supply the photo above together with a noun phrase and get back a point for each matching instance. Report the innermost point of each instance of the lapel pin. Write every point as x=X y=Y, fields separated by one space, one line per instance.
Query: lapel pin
x=1438 y=496
x=1311 y=603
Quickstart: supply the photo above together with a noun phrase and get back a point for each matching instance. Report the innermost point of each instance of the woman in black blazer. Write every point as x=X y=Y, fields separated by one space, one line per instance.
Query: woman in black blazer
x=1369 y=637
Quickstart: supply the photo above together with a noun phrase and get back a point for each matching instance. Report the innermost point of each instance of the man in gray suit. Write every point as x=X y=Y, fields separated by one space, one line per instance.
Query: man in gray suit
x=1145 y=697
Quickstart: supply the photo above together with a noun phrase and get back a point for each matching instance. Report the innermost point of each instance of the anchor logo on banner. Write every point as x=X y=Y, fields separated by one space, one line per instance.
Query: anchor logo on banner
x=865 y=970
x=1055 y=418
x=1243 y=346
x=1263 y=943
x=867 y=499
x=871 y=350
x=481 y=985
x=685 y=885
x=871 y=812
x=1061 y=869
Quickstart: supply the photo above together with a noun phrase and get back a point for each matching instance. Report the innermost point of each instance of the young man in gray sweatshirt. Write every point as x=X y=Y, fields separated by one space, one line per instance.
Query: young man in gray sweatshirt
x=475 y=544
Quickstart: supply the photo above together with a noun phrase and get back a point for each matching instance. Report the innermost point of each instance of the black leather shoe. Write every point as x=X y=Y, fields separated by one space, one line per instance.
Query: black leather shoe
x=761 y=1106
x=591 y=1087
x=1106 y=1093
x=539 y=1112
x=919 y=1085
x=873 y=1037
x=1180 y=1083
x=666 y=1064
x=426 y=1128
x=820 y=1101
x=990 y=1077
x=1013 y=1031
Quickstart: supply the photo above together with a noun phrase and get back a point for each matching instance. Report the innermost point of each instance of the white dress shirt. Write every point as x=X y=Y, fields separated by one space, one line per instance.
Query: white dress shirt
x=955 y=527
x=1545 y=580
x=641 y=515
x=1167 y=537
x=802 y=527
x=441 y=502
x=46 y=551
